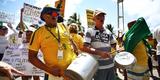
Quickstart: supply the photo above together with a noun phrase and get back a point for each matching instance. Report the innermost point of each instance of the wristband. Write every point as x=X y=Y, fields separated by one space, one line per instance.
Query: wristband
x=92 y=49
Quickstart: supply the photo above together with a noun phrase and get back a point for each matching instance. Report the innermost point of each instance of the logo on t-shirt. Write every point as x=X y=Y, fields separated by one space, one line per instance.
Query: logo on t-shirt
x=102 y=37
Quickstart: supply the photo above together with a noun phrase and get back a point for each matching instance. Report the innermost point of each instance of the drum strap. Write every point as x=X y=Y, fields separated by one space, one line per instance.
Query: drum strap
x=149 y=51
x=138 y=74
x=149 y=47
x=75 y=48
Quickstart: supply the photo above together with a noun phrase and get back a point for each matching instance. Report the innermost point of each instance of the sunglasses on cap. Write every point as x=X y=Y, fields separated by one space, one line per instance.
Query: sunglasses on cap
x=53 y=14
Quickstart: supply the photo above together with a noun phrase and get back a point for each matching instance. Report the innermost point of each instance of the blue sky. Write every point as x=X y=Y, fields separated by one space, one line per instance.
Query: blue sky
x=133 y=9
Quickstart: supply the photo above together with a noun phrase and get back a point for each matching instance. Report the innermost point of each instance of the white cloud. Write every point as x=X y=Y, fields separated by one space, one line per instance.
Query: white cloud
x=84 y=21
x=42 y=3
x=70 y=7
x=136 y=6
x=149 y=9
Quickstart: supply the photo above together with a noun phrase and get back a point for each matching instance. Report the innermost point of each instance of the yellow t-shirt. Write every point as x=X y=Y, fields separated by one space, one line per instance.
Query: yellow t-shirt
x=42 y=39
x=141 y=54
x=78 y=40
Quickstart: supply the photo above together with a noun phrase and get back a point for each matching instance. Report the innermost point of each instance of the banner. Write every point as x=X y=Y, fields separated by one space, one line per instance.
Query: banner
x=31 y=13
x=61 y=5
x=17 y=57
x=7 y=17
x=90 y=21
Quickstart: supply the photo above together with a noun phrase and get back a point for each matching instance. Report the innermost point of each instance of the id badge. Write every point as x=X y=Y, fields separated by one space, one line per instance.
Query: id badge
x=60 y=54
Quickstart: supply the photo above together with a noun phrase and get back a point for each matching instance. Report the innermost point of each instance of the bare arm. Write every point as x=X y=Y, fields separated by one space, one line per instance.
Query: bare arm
x=7 y=70
x=16 y=71
x=87 y=48
x=39 y=64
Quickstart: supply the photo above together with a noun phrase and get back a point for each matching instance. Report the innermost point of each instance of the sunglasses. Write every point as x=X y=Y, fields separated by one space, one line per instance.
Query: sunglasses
x=53 y=14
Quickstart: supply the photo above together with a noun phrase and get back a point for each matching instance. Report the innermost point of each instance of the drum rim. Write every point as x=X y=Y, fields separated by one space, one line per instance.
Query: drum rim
x=133 y=60
x=70 y=73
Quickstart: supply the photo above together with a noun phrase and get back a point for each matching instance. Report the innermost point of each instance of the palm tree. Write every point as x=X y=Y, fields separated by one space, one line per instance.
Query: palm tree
x=110 y=27
x=75 y=19
x=72 y=19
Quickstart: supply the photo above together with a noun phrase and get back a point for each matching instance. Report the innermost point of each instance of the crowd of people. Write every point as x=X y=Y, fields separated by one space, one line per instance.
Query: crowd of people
x=61 y=44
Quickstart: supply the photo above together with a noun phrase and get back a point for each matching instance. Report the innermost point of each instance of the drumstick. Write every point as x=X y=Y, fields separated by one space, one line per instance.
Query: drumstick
x=114 y=51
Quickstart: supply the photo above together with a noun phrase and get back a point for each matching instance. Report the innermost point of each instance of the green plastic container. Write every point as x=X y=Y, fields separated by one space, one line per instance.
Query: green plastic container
x=136 y=33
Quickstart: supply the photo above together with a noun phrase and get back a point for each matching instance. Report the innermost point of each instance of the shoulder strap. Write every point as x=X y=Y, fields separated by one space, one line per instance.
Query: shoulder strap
x=71 y=40
x=150 y=64
x=149 y=47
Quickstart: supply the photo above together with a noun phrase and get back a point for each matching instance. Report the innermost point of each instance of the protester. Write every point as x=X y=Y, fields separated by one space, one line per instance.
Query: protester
x=152 y=61
x=53 y=40
x=140 y=70
x=78 y=39
x=25 y=44
x=156 y=35
x=3 y=40
x=98 y=42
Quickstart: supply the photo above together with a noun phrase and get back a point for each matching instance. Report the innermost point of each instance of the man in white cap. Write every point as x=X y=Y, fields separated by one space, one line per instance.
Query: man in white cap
x=98 y=42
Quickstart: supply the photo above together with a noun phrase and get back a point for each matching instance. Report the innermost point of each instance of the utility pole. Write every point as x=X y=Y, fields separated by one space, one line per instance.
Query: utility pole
x=120 y=20
x=120 y=13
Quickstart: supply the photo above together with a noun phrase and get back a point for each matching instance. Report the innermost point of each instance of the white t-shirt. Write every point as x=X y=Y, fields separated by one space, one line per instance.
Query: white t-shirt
x=156 y=35
x=158 y=48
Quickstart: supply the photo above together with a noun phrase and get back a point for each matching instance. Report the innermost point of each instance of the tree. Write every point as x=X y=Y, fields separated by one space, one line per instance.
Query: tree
x=75 y=19
x=110 y=27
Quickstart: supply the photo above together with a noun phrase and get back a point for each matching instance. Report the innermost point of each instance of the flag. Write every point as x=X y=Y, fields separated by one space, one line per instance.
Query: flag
x=90 y=21
x=61 y=5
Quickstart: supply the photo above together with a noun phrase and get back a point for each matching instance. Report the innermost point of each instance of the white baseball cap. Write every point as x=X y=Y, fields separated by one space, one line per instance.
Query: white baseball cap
x=97 y=12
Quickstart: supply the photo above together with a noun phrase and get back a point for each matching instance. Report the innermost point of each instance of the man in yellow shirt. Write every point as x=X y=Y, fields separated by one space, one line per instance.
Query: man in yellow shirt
x=54 y=41
x=78 y=39
x=140 y=70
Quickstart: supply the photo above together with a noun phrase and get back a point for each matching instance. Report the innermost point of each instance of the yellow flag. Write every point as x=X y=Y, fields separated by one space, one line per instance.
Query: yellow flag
x=60 y=4
x=90 y=21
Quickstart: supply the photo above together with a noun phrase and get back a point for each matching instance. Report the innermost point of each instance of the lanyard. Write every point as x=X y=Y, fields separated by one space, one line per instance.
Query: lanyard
x=58 y=39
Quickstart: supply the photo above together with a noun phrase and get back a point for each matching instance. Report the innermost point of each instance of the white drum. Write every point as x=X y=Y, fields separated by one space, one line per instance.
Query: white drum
x=82 y=68
x=125 y=60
